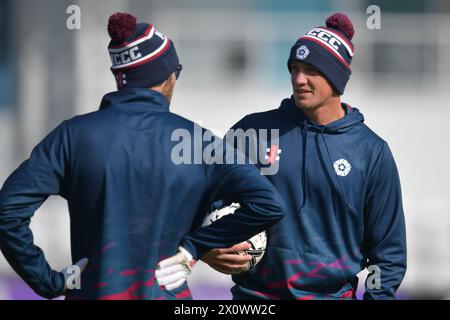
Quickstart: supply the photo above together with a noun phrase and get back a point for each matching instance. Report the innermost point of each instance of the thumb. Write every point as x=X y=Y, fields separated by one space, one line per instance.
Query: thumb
x=82 y=263
x=239 y=247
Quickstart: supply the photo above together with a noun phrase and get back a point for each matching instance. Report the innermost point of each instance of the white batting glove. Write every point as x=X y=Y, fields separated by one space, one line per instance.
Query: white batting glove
x=174 y=271
x=72 y=274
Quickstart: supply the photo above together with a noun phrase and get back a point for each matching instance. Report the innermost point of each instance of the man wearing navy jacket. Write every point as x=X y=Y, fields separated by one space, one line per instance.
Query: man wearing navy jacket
x=131 y=204
x=339 y=182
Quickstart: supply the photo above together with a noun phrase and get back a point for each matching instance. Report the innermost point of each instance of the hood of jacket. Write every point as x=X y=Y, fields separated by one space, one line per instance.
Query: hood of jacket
x=352 y=117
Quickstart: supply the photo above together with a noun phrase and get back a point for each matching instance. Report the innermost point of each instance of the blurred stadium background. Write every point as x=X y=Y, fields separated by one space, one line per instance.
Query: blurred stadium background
x=234 y=63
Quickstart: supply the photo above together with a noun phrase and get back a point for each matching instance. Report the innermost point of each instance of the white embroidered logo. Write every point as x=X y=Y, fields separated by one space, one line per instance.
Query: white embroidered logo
x=342 y=167
x=273 y=154
x=302 y=52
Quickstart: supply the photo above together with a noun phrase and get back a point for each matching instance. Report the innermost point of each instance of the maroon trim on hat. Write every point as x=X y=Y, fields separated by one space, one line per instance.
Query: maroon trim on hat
x=124 y=44
x=329 y=50
x=140 y=63
x=342 y=35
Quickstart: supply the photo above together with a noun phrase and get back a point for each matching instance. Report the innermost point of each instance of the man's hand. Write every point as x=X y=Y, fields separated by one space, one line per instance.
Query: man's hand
x=230 y=260
x=69 y=272
x=174 y=271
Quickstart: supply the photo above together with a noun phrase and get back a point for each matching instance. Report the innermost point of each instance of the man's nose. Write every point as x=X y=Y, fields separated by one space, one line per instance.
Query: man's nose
x=300 y=78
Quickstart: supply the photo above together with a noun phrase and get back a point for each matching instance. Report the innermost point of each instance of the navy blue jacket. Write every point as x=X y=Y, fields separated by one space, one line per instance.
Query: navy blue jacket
x=344 y=210
x=130 y=205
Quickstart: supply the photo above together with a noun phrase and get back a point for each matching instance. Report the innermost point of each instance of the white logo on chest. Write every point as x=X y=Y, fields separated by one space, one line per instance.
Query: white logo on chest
x=342 y=167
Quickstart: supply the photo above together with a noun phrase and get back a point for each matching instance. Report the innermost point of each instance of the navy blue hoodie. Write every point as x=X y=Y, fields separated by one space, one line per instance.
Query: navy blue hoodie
x=344 y=210
x=130 y=205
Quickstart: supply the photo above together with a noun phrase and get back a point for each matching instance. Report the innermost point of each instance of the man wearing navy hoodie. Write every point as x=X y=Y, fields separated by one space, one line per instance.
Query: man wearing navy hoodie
x=339 y=182
x=131 y=203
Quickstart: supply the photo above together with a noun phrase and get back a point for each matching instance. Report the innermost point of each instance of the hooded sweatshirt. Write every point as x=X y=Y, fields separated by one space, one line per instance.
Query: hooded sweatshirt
x=344 y=211
x=131 y=205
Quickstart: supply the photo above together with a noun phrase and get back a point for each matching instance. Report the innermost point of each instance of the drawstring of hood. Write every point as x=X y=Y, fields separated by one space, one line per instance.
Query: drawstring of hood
x=333 y=175
x=304 y=175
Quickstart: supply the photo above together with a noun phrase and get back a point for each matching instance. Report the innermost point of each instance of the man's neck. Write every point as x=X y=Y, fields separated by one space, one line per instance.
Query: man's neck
x=161 y=90
x=327 y=113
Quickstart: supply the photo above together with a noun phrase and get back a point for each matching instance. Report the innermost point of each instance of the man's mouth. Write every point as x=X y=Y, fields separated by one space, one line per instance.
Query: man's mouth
x=301 y=91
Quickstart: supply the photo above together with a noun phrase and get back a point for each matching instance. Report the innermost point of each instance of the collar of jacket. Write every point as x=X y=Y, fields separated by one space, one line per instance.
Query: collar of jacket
x=352 y=117
x=132 y=97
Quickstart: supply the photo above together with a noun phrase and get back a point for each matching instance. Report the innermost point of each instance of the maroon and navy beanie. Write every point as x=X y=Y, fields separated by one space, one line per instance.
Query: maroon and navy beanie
x=141 y=56
x=329 y=49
